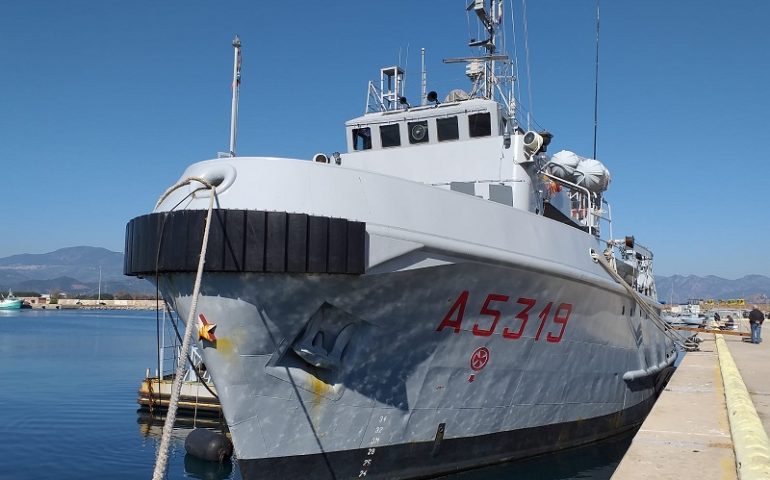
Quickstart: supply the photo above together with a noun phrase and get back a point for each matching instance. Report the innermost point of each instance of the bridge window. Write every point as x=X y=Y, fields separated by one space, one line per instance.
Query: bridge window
x=479 y=125
x=447 y=129
x=390 y=136
x=362 y=138
x=418 y=132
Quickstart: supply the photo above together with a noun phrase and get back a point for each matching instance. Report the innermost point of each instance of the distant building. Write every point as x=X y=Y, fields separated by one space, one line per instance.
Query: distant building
x=41 y=300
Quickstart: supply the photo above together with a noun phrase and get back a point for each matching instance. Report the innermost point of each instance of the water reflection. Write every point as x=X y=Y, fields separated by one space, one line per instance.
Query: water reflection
x=151 y=426
x=197 y=468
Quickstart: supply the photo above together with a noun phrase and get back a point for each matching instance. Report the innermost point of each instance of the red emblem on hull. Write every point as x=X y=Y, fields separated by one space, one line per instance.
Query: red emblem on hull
x=479 y=358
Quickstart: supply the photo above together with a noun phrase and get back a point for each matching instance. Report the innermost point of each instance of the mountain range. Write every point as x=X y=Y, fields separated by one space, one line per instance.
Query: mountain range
x=77 y=270
x=73 y=270
x=680 y=288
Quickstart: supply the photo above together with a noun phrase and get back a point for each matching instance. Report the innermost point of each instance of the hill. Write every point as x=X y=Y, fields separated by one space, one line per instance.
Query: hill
x=74 y=270
x=679 y=288
x=82 y=263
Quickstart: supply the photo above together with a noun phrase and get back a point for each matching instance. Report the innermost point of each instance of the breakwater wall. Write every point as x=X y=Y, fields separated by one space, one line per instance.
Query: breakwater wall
x=109 y=304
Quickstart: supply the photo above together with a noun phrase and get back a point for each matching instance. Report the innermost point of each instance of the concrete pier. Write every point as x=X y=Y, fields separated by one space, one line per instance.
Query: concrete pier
x=688 y=434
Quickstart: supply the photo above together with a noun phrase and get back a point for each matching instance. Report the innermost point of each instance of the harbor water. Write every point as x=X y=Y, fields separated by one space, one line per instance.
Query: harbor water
x=68 y=406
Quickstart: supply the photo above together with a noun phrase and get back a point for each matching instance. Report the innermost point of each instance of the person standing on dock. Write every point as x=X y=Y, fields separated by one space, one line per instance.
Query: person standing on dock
x=756 y=318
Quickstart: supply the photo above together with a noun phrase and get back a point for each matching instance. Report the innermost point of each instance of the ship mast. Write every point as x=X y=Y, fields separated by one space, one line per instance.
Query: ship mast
x=423 y=79
x=481 y=69
x=236 y=89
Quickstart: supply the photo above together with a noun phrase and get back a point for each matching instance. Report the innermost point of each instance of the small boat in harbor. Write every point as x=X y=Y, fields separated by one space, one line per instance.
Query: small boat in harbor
x=689 y=315
x=443 y=295
x=10 y=302
x=197 y=396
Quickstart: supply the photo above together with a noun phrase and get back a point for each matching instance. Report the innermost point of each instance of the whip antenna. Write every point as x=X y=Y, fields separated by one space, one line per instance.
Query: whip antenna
x=236 y=88
x=596 y=80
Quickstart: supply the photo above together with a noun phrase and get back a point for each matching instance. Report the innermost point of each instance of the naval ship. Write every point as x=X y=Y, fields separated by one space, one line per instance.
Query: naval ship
x=443 y=295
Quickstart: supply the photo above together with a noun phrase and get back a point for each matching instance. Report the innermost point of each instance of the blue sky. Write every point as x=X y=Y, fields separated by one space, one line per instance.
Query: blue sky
x=105 y=103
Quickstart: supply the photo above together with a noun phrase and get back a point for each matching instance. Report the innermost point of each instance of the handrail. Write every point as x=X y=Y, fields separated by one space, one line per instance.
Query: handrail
x=592 y=223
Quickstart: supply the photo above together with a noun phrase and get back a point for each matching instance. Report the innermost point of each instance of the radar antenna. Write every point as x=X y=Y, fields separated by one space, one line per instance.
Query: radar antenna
x=482 y=69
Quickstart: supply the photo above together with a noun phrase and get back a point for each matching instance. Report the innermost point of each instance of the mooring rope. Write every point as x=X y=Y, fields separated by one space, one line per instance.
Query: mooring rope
x=161 y=460
x=186 y=181
x=686 y=343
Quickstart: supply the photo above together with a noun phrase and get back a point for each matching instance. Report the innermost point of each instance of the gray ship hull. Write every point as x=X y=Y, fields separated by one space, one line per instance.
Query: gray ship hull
x=420 y=372
x=428 y=459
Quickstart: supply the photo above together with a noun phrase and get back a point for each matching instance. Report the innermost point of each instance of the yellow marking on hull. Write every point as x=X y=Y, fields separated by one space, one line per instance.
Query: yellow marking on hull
x=224 y=347
x=318 y=387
